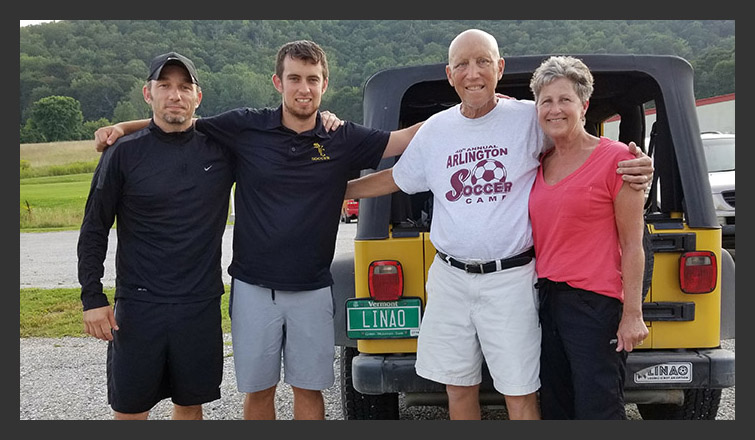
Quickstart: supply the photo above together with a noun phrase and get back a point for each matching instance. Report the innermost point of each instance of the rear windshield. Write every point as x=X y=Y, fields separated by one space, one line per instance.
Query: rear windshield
x=719 y=153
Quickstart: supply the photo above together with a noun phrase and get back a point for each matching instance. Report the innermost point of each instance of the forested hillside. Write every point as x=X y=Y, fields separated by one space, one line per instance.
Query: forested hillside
x=103 y=63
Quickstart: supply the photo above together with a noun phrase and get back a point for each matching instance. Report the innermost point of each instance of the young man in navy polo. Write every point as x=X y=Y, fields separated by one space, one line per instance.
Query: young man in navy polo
x=291 y=181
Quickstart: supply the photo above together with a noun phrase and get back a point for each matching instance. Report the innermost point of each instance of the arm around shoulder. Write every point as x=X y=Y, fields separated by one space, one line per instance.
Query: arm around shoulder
x=399 y=140
x=372 y=185
x=638 y=172
x=106 y=136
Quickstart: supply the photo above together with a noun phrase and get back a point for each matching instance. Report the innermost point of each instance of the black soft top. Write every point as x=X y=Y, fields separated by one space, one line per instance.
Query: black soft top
x=624 y=84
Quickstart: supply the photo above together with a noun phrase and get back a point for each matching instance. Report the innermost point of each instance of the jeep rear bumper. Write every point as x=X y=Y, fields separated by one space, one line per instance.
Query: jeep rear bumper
x=652 y=376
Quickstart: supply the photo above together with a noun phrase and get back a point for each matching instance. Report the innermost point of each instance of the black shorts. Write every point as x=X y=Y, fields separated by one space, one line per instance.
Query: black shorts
x=164 y=350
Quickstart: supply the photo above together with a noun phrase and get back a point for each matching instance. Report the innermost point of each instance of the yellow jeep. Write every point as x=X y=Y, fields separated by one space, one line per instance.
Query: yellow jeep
x=680 y=370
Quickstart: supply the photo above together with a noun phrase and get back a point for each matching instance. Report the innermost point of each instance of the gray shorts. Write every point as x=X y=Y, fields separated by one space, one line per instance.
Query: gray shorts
x=266 y=324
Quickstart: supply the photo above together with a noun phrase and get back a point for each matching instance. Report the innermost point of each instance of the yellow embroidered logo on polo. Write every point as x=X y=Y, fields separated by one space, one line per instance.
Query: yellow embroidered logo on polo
x=321 y=151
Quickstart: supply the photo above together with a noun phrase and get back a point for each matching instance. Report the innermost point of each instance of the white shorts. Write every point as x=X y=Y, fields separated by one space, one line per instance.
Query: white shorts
x=267 y=324
x=471 y=317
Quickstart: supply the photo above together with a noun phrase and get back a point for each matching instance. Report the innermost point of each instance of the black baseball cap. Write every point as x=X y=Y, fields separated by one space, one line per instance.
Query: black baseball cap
x=171 y=57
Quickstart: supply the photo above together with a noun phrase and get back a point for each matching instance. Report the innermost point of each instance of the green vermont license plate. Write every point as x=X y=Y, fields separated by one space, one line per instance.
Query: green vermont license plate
x=369 y=319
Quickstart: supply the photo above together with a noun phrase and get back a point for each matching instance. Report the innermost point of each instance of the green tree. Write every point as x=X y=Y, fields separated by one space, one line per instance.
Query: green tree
x=41 y=76
x=714 y=72
x=30 y=134
x=346 y=102
x=89 y=127
x=57 y=118
x=125 y=111
x=99 y=93
x=133 y=102
x=236 y=86
x=98 y=62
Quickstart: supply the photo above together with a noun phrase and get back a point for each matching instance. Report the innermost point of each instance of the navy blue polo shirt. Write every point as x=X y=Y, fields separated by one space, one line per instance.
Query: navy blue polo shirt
x=289 y=192
x=169 y=194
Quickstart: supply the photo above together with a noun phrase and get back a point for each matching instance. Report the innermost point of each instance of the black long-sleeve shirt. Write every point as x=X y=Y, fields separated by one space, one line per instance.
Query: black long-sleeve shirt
x=168 y=193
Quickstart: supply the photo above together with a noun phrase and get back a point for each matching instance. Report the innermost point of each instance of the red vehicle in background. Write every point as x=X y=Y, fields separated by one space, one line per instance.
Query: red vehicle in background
x=349 y=210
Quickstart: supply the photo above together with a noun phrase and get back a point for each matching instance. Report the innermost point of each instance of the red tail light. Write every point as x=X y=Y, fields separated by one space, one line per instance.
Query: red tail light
x=697 y=272
x=386 y=280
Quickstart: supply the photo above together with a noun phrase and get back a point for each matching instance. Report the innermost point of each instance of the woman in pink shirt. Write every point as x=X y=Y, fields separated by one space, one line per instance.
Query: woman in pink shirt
x=588 y=226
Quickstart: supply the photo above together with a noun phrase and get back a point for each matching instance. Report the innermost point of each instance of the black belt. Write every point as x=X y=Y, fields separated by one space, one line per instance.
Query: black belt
x=491 y=266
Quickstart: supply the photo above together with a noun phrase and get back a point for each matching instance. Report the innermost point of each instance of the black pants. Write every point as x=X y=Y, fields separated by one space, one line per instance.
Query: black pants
x=581 y=374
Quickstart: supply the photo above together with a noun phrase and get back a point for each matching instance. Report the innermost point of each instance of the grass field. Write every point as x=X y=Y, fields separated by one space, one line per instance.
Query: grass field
x=53 y=203
x=56 y=200
x=54 y=313
x=58 y=153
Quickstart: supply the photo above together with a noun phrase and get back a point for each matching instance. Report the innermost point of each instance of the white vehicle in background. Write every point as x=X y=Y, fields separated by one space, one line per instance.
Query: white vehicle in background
x=720 y=158
x=719 y=153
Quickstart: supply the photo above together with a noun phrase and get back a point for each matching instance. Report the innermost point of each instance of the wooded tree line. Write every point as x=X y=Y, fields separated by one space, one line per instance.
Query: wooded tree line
x=102 y=64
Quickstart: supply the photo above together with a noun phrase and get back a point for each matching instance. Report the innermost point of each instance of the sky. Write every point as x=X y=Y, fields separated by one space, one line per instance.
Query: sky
x=28 y=22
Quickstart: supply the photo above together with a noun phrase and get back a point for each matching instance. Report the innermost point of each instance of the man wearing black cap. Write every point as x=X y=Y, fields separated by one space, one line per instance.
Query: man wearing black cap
x=167 y=186
x=173 y=58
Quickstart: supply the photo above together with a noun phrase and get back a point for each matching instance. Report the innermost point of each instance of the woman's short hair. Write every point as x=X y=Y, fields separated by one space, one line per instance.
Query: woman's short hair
x=562 y=66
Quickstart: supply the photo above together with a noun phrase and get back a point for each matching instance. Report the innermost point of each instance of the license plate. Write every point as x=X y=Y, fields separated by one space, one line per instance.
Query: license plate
x=369 y=319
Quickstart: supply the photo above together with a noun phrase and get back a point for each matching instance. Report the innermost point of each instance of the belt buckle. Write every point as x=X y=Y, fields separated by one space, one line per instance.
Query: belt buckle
x=473 y=268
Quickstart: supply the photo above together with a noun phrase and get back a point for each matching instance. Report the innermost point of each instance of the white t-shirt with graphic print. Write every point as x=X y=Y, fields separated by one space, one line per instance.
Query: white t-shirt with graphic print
x=480 y=172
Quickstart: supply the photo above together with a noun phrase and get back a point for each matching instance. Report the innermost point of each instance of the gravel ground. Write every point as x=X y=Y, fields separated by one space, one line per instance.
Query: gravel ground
x=64 y=379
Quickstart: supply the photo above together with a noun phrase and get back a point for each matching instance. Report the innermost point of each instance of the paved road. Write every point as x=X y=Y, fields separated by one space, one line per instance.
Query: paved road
x=48 y=259
x=64 y=379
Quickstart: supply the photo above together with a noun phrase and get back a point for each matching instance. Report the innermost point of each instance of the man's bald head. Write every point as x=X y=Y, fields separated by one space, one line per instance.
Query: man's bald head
x=472 y=36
